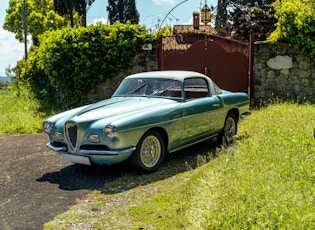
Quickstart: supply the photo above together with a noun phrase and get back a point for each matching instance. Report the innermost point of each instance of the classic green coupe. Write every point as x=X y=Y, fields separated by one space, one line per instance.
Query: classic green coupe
x=149 y=114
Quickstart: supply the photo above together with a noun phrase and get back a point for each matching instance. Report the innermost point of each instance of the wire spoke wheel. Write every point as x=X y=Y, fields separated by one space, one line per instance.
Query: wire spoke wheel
x=229 y=129
x=149 y=153
x=226 y=136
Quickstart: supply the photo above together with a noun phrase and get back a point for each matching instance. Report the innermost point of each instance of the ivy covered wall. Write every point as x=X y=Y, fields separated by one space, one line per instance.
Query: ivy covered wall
x=146 y=60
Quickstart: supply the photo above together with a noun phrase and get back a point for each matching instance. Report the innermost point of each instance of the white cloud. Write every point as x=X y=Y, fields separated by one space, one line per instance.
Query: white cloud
x=100 y=20
x=159 y=2
x=11 y=50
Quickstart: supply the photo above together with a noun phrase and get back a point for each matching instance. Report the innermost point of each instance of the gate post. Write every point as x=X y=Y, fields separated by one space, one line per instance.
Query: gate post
x=160 y=53
x=205 y=57
x=251 y=64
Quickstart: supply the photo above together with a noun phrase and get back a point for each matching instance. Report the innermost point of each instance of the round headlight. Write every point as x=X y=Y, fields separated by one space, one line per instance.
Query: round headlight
x=110 y=132
x=47 y=127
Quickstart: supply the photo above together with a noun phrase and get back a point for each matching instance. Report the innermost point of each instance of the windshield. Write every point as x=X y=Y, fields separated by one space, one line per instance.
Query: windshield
x=153 y=87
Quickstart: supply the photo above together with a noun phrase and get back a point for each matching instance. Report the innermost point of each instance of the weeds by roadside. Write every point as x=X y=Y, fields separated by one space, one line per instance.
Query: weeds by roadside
x=19 y=111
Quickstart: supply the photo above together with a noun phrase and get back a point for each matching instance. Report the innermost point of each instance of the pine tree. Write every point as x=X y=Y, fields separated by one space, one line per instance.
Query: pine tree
x=122 y=11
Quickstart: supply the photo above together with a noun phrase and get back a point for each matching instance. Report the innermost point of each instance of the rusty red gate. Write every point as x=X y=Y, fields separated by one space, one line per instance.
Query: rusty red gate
x=227 y=62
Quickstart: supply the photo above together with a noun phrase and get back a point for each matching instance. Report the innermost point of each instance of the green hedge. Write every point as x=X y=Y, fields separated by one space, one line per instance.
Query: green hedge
x=70 y=62
x=296 y=25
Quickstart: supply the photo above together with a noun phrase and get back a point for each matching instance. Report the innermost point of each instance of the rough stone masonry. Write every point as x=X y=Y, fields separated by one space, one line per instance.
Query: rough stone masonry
x=283 y=72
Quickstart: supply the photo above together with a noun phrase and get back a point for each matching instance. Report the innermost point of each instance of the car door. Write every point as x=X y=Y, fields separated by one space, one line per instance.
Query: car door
x=201 y=112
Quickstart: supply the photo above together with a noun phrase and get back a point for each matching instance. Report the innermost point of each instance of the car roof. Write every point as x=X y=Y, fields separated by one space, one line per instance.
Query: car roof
x=172 y=74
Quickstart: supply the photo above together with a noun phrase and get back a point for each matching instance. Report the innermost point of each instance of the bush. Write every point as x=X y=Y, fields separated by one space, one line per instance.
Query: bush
x=296 y=24
x=70 y=62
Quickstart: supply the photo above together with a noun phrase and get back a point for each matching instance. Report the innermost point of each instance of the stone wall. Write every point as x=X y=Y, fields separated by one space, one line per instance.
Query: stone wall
x=283 y=72
x=143 y=62
x=280 y=71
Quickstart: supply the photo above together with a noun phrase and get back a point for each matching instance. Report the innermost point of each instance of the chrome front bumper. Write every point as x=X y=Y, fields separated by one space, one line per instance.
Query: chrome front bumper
x=94 y=156
x=94 y=152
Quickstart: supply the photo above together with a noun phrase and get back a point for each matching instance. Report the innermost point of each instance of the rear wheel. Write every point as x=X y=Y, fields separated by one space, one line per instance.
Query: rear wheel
x=229 y=129
x=150 y=152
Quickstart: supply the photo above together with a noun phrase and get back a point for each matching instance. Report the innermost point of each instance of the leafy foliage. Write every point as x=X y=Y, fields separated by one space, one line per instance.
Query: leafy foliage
x=296 y=24
x=221 y=17
x=122 y=11
x=238 y=17
x=71 y=61
x=164 y=31
x=41 y=17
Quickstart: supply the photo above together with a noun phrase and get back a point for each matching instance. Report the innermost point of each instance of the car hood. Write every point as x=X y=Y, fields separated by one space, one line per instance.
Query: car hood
x=120 y=107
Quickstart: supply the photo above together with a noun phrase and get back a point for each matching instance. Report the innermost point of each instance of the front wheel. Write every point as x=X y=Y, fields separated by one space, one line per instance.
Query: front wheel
x=150 y=152
x=229 y=129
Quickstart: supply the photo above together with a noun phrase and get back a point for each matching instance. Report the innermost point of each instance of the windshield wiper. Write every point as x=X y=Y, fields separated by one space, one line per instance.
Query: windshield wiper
x=140 y=87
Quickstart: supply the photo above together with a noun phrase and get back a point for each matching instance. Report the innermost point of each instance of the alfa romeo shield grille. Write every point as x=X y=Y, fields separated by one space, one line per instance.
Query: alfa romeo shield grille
x=72 y=134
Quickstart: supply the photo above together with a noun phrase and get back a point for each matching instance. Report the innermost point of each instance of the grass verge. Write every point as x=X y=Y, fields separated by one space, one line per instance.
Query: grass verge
x=19 y=111
x=266 y=180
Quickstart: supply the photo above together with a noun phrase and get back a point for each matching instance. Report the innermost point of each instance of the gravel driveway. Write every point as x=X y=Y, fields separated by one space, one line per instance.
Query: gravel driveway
x=36 y=184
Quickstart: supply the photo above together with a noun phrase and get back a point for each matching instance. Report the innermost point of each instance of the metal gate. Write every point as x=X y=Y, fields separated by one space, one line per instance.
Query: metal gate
x=227 y=62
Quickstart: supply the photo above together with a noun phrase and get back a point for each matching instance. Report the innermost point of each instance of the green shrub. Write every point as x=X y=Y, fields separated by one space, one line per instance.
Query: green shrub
x=70 y=62
x=296 y=24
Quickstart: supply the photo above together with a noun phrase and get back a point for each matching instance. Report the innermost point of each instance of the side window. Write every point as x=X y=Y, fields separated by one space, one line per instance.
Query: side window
x=195 y=88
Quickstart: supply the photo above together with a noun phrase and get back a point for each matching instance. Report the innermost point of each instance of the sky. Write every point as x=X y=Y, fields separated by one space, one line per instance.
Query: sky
x=152 y=14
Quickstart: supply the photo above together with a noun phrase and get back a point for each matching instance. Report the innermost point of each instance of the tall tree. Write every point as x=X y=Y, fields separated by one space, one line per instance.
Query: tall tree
x=122 y=11
x=236 y=18
x=69 y=7
x=40 y=17
x=65 y=8
x=221 y=17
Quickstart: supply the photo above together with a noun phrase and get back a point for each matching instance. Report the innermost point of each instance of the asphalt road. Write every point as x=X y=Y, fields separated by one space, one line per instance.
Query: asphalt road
x=36 y=184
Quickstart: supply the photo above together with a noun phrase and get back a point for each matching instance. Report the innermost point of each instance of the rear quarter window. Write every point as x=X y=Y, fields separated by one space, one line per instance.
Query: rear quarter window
x=196 y=88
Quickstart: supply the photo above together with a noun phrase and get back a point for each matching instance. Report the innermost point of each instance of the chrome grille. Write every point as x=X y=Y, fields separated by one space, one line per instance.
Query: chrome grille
x=72 y=135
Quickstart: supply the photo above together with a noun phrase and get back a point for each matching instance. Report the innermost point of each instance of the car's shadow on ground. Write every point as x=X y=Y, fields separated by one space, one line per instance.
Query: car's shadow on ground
x=175 y=163
x=76 y=177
